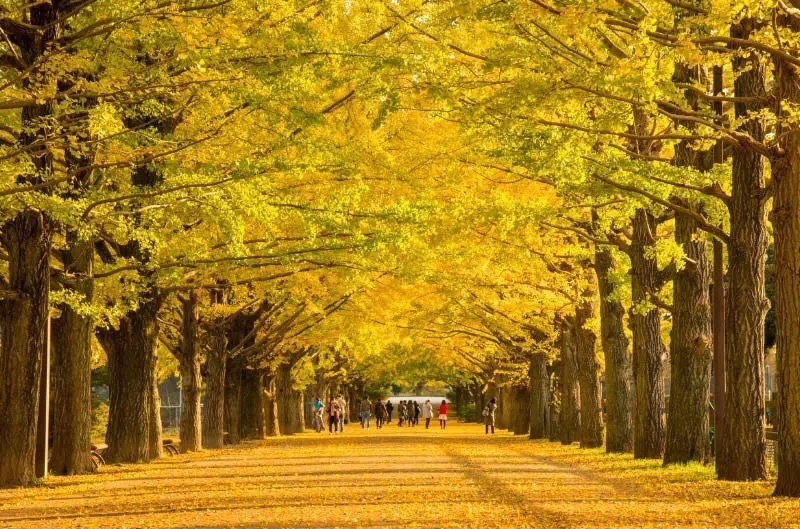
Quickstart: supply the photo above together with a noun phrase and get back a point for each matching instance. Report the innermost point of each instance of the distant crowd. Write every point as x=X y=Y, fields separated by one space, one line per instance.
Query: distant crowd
x=409 y=413
x=334 y=413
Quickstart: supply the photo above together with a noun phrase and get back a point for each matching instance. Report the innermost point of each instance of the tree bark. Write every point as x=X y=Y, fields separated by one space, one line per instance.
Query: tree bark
x=252 y=418
x=299 y=423
x=501 y=416
x=27 y=239
x=191 y=433
x=619 y=413
x=569 y=414
x=233 y=400
x=271 y=414
x=239 y=335
x=512 y=407
x=214 y=420
x=154 y=442
x=554 y=422
x=540 y=396
x=133 y=433
x=591 y=432
x=286 y=400
x=72 y=368
x=480 y=401
x=522 y=417
x=743 y=438
x=786 y=223
x=648 y=350
x=690 y=349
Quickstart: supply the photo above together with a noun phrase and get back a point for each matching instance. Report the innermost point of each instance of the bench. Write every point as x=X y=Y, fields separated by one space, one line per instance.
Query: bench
x=96 y=453
x=772 y=445
x=170 y=447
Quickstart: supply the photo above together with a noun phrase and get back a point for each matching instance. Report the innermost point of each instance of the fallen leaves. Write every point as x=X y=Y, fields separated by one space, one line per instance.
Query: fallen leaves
x=403 y=479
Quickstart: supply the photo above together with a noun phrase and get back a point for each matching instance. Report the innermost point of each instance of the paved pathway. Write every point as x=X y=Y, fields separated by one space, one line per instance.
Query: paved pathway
x=395 y=478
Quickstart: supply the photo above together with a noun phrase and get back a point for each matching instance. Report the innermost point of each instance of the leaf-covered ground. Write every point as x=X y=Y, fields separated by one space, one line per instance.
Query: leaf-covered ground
x=397 y=478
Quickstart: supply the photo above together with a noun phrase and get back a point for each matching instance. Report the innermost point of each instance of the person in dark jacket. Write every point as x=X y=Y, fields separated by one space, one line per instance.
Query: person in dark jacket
x=333 y=412
x=488 y=414
x=389 y=408
x=417 y=412
x=380 y=414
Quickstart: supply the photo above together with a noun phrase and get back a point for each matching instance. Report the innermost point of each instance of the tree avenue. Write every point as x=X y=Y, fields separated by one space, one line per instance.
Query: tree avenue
x=518 y=200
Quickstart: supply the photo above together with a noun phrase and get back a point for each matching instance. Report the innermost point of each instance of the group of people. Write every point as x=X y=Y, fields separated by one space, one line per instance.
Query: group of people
x=408 y=413
x=335 y=411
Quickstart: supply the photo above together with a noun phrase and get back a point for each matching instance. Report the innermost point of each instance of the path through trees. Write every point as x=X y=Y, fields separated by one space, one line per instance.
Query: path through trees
x=396 y=478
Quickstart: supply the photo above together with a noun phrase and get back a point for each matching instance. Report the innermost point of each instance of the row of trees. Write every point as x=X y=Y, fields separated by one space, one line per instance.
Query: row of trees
x=169 y=188
x=664 y=126
x=315 y=189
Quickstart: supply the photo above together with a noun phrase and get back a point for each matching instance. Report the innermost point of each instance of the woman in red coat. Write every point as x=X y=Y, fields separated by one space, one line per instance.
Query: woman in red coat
x=443 y=415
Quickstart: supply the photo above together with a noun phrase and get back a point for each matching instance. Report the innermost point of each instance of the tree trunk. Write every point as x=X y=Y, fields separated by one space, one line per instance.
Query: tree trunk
x=214 y=419
x=619 y=416
x=191 y=380
x=72 y=368
x=239 y=335
x=299 y=425
x=648 y=351
x=554 y=415
x=154 y=442
x=504 y=415
x=540 y=397
x=271 y=414
x=743 y=437
x=591 y=433
x=522 y=417
x=23 y=318
x=133 y=433
x=27 y=241
x=233 y=400
x=512 y=408
x=786 y=223
x=480 y=401
x=690 y=349
x=501 y=414
x=285 y=397
x=569 y=414
x=252 y=408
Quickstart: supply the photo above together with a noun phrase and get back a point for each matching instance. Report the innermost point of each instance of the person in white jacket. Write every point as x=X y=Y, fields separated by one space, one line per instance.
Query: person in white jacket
x=345 y=413
x=427 y=413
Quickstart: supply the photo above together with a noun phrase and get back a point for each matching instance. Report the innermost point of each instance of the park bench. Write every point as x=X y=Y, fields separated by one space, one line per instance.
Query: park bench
x=772 y=444
x=97 y=455
x=170 y=447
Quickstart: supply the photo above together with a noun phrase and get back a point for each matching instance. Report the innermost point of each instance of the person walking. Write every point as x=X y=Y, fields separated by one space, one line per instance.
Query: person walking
x=333 y=416
x=365 y=412
x=389 y=408
x=343 y=412
x=380 y=414
x=443 y=415
x=417 y=412
x=427 y=413
x=318 y=410
x=488 y=414
x=401 y=412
